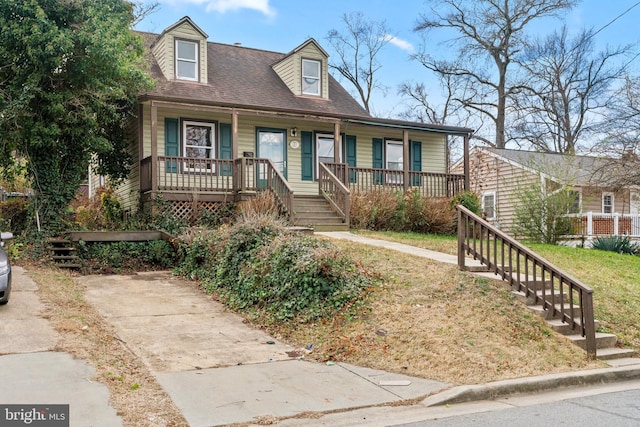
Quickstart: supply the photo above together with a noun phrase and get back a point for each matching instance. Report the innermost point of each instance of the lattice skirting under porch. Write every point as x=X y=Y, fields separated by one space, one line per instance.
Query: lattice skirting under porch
x=191 y=210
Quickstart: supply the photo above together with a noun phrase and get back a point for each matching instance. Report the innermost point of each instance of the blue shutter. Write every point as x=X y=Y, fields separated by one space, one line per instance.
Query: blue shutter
x=307 y=156
x=225 y=147
x=416 y=161
x=350 y=148
x=171 y=143
x=378 y=158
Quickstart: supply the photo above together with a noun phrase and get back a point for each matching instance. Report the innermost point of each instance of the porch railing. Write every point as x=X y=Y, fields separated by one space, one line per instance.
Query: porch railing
x=592 y=224
x=242 y=175
x=541 y=282
x=332 y=188
x=427 y=184
x=187 y=174
x=256 y=175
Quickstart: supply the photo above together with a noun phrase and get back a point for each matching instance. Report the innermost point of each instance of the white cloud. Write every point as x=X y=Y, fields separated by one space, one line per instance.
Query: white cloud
x=402 y=44
x=223 y=6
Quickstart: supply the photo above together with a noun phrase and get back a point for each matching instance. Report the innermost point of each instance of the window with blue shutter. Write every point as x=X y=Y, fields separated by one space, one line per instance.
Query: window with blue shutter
x=171 y=143
x=306 y=151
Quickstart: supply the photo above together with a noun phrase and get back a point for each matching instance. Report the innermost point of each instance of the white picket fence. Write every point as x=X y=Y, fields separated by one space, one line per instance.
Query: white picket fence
x=592 y=224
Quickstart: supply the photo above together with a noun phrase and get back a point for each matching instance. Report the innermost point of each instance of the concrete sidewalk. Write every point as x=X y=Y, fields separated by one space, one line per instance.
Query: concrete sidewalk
x=34 y=373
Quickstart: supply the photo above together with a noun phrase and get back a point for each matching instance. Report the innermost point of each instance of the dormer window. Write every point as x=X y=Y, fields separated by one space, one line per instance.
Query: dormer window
x=311 y=77
x=187 y=60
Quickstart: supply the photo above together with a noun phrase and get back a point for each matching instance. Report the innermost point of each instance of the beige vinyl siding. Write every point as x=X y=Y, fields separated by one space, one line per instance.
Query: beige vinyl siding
x=433 y=144
x=592 y=200
x=286 y=70
x=488 y=174
x=164 y=50
x=290 y=69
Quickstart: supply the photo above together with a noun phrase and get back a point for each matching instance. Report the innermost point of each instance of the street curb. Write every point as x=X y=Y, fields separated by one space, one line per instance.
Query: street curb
x=502 y=388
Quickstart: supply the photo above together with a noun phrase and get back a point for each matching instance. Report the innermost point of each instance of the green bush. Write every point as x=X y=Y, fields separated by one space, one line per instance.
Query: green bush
x=256 y=265
x=619 y=244
x=469 y=200
x=110 y=257
x=14 y=213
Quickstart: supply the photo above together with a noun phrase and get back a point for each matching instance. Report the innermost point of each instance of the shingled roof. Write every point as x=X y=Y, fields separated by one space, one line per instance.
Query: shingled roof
x=243 y=77
x=563 y=168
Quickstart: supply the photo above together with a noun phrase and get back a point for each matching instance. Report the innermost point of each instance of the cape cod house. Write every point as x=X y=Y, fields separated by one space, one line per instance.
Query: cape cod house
x=225 y=122
x=498 y=176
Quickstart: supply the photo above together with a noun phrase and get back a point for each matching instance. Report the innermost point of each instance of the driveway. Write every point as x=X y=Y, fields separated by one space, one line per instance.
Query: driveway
x=219 y=370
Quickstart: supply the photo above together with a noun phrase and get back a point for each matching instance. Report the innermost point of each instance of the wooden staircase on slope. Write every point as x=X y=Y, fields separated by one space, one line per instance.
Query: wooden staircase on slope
x=63 y=253
x=564 y=302
x=316 y=212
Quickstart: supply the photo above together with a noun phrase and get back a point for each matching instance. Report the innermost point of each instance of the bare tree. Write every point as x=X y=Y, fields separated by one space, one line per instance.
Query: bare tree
x=141 y=10
x=487 y=32
x=357 y=52
x=622 y=142
x=567 y=92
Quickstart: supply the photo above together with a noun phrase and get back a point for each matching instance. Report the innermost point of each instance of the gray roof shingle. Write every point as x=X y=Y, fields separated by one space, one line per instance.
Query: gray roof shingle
x=243 y=77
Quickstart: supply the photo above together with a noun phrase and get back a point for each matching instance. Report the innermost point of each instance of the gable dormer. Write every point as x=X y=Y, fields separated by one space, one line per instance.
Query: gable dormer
x=305 y=70
x=181 y=52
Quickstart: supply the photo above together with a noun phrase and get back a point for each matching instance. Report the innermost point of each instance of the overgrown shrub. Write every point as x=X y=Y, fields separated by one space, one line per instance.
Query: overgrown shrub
x=393 y=211
x=258 y=266
x=14 y=213
x=263 y=203
x=225 y=214
x=619 y=244
x=540 y=216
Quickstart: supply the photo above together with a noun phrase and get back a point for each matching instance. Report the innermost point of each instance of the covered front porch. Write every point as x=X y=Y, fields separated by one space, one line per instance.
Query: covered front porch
x=219 y=180
x=203 y=155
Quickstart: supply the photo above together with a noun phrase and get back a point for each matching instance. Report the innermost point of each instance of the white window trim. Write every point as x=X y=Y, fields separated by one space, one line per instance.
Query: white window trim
x=317 y=158
x=212 y=150
x=195 y=62
x=613 y=201
x=484 y=195
x=319 y=78
x=395 y=178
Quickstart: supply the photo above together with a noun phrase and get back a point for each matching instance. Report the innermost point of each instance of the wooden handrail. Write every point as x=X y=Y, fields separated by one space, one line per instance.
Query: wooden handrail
x=332 y=189
x=256 y=175
x=529 y=273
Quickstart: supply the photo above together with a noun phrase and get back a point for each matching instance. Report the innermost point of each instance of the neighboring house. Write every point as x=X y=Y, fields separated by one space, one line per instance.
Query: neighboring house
x=226 y=121
x=499 y=175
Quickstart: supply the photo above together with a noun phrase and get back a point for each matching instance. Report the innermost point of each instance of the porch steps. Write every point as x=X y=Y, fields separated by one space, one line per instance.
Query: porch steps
x=316 y=212
x=63 y=253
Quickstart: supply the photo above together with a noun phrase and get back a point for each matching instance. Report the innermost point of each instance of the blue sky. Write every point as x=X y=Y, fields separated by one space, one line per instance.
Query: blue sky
x=281 y=25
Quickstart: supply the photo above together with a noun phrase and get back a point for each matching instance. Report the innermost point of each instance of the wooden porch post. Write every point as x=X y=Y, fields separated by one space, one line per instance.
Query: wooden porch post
x=466 y=162
x=405 y=159
x=154 y=148
x=234 y=134
x=336 y=142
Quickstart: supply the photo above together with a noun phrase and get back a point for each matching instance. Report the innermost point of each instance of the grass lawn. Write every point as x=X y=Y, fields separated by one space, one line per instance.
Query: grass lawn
x=430 y=320
x=615 y=278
